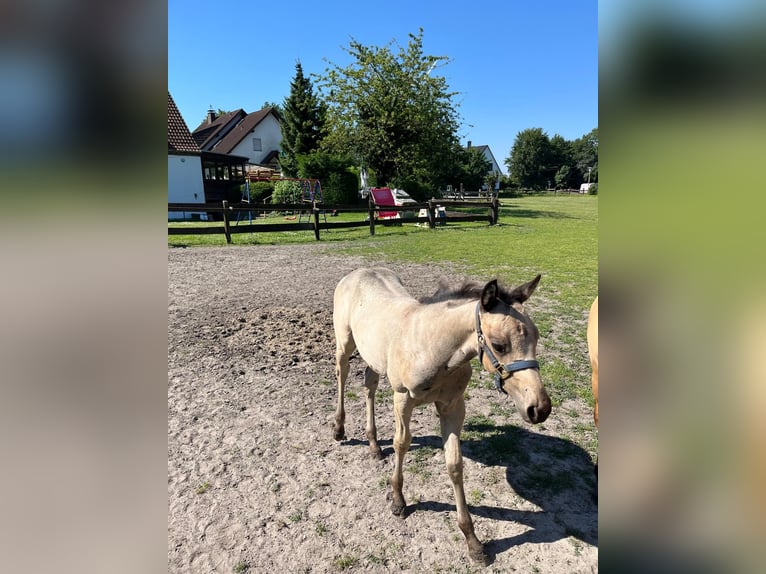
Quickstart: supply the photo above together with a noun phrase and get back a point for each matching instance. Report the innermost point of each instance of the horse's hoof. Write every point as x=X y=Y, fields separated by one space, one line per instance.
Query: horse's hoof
x=398 y=509
x=339 y=434
x=478 y=555
x=376 y=454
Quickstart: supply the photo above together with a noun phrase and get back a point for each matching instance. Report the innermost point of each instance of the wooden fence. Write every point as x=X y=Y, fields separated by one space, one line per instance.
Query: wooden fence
x=312 y=212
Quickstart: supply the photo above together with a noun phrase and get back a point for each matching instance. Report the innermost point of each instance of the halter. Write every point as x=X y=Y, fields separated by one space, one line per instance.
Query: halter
x=502 y=372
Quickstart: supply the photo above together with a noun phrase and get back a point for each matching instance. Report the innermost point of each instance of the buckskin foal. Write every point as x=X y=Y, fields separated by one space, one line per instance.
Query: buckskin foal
x=424 y=347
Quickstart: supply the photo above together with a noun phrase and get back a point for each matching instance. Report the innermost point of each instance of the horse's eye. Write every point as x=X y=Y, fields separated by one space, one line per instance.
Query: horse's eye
x=498 y=347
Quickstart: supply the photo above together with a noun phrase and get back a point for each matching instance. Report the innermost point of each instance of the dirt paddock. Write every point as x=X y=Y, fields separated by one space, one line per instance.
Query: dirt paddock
x=256 y=482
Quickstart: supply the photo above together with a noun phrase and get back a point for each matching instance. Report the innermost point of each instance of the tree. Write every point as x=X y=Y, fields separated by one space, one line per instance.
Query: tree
x=339 y=184
x=531 y=159
x=391 y=114
x=474 y=168
x=277 y=108
x=563 y=177
x=303 y=120
x=491 y=180
x=585 y=155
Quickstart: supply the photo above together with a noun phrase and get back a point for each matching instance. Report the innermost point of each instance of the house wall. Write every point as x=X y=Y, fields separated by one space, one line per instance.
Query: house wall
x=487 y=153
x=184 y=182
x=271 y=139
x=490 y=158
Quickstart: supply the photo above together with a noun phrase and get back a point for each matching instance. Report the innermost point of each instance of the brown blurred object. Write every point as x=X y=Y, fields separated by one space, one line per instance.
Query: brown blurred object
x=593 y=352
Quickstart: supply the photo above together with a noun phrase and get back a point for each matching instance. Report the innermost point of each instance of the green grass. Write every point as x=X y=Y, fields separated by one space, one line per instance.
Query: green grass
x=345 y=562
x=419 y=462
x=295 y=516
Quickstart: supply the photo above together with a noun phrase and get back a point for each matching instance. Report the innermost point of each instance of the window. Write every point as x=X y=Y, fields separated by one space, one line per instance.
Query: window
x=256 y=144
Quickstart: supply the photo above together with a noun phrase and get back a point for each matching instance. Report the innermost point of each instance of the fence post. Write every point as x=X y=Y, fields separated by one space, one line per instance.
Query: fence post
x=431 y=214
x=495 y=210
x=372 y=215
x=226 y=230
x=316 y=221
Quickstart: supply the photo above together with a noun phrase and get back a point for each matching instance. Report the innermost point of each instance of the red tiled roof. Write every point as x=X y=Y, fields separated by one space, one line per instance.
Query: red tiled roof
x=179 y=137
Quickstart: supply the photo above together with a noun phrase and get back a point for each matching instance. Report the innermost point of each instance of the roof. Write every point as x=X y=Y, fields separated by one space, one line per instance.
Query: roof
x=208 y=132
x=483 y=149
x=273 y=155
x=179 y=136
x=241 y=130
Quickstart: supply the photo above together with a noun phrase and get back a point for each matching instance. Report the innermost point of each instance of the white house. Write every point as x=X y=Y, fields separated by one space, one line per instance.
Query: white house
x=487 y=153
x=185 y=183
x=256 y=136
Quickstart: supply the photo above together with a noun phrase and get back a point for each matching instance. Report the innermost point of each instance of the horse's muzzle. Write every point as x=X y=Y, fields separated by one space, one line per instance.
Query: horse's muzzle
x=538 y=413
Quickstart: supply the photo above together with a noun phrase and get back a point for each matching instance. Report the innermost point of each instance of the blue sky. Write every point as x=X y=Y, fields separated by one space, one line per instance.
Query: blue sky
x=517 y=64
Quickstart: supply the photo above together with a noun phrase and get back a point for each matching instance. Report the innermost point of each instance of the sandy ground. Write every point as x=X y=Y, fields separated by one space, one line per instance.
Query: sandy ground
x=256 y=482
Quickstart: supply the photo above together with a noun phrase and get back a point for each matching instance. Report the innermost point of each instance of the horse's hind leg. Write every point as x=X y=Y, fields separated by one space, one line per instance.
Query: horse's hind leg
x=371 y=379
x=344 y=346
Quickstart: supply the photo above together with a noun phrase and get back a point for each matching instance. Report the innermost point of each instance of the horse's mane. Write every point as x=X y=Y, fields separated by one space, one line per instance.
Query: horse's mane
x=457 y=292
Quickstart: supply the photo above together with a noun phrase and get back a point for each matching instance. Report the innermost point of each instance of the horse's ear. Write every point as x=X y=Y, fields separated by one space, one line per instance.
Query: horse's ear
x=523 y=292
x=489 y=295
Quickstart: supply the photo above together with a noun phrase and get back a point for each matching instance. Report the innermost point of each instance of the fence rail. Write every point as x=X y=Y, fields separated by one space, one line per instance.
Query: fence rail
x=312 y=212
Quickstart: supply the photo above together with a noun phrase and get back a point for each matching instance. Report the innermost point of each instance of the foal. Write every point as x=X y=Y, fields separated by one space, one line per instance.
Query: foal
x=425 y=348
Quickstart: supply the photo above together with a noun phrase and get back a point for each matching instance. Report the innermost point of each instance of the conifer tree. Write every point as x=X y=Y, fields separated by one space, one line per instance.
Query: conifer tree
x=303 y=117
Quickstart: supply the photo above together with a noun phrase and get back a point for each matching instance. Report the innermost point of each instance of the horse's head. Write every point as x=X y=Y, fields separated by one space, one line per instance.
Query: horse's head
x=508 y=346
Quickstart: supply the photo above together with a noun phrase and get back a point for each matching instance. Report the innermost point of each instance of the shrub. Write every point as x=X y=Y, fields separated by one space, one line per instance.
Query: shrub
x=286 y=192
x=340 y=187
x=260 y=190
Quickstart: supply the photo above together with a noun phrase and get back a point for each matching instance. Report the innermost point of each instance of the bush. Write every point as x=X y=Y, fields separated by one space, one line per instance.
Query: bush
x=340 y=187
x=260 y=190
x=339 y=183
x=286 y=192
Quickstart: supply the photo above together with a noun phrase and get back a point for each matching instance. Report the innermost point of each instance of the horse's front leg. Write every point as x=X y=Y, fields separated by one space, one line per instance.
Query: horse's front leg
x=403 y=406
x=341 y=372
x=371 y=379
x=451 y=417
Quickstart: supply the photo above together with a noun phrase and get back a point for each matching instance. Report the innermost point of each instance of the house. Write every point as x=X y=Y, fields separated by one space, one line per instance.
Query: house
x=185 y=183
x=256 y=136
x=487 y=153
x=196 y=175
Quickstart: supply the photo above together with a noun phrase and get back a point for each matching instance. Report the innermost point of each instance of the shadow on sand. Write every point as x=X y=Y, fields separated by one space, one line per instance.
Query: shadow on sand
x=554 y=474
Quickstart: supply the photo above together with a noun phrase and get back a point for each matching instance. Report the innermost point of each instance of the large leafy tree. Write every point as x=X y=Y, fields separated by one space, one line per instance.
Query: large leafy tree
x=536 y=160
x=303 y=120
x=531 y=163
x=391 y=113
x=475 y=168
x=565 y=176
x=585 y=155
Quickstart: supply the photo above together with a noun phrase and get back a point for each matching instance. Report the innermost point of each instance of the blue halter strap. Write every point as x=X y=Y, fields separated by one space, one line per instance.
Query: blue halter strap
x=501 y=371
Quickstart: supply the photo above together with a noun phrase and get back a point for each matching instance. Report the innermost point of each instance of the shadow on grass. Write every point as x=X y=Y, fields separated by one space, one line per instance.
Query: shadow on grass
x=554 y=474
x=512 y=212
